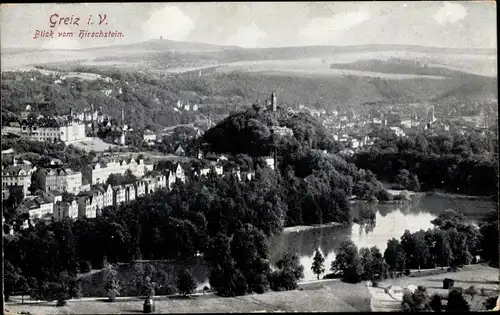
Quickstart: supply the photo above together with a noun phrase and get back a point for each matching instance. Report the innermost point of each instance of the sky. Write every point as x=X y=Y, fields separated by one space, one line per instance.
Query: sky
x=265 y=24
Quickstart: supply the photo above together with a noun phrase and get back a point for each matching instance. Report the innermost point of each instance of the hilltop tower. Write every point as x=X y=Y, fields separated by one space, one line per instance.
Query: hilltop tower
x=122 y=137
x=274 y=101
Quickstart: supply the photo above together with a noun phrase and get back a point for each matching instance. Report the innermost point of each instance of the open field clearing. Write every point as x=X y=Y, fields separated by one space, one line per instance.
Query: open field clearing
x=92 y=144
x=479 y=276
x=335 y=297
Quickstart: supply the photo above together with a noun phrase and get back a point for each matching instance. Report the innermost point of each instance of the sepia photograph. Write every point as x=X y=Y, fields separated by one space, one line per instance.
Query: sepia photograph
x=237 y=157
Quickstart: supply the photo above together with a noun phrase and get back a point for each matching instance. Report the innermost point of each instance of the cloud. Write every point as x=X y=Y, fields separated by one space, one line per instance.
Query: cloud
x=170 y=23
x=450 y=13
x=248 y=36
x=322 y=30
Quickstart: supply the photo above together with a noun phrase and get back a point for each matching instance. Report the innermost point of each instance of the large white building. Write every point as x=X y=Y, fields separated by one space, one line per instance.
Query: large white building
x=52 y=129
x=101 y=172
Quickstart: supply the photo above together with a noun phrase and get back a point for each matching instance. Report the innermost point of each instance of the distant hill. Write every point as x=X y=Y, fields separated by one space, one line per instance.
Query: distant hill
x=399 y=66
x=477 y=89
x=166 y=45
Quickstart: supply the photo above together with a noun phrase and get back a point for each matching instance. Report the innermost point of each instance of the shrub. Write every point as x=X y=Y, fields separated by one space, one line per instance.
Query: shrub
x=186 y=283
x=61 y=302
x=436 y=303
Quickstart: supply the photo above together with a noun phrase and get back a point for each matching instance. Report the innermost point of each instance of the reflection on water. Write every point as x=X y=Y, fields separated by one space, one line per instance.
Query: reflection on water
x=391 y=220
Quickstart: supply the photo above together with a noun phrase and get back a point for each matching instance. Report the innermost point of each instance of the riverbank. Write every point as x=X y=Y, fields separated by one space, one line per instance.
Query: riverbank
x=455 y=196
x=298 y=228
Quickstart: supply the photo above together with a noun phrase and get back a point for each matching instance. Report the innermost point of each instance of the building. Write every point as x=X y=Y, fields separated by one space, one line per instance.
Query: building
x=270 y=162
x=66 y=209
x=398 y=131
x=149 y=138
x=63 y=180
x=17 y=175
x=36 y=208
x=140 y=188
x=180 y=151
x=100 y=172
x=282 y=131
x=161 y=181
x=150 y=185
x=108 y=195
x=52 y=129
x=87 y=206
x=130 y=193
x=118 y=195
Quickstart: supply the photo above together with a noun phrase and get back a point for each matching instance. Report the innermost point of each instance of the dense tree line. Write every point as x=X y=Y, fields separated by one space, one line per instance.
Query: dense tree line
x=458 y=164
x=453 y=243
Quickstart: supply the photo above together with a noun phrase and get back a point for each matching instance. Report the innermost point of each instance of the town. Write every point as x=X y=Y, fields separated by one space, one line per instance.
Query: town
x=205 y=164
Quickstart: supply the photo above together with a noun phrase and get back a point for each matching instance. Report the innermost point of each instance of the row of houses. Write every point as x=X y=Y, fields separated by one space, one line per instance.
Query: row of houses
x=90 y=203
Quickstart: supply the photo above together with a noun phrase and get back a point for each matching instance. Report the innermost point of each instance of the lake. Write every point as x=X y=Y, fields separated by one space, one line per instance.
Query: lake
x=391 y=221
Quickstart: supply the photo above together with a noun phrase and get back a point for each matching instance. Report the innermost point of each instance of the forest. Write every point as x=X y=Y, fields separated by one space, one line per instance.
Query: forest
x=455 y=163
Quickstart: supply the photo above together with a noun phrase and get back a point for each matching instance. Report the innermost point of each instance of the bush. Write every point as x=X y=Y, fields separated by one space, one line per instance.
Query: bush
x=61 y=302
x=490 y=303
x=186 y=283
x=436 y=303
x=84 y=266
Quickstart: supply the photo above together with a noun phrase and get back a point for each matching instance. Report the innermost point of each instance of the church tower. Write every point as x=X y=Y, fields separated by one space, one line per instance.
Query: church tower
x=274 y=101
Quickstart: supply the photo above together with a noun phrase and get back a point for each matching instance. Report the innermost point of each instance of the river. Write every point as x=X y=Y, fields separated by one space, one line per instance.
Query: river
x=391 y=221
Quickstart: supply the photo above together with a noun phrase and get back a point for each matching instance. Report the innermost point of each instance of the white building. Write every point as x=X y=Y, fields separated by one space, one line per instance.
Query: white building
x=270 y=162
x=37 y=208
x=101 y=172
x=140 y=188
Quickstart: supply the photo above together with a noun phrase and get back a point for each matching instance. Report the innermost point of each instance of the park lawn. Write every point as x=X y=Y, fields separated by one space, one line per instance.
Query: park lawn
x=479 y=276
x=333 y=296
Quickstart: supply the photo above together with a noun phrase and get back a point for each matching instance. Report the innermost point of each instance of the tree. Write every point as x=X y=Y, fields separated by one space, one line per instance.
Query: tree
x=149 y=287
x=289 y=272
x=417 y=301
x=318 y=265
x=224 y=278
x=402 y=180
x=112 y=286
x=186 y=283
x=348 y=262
x=442 y=250
x=456 y=302
x=378 y=266
x=12 y=275
x=436 y=303
x=394 y=255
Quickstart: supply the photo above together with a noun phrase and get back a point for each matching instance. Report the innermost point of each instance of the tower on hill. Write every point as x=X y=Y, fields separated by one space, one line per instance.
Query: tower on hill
x=274 y=101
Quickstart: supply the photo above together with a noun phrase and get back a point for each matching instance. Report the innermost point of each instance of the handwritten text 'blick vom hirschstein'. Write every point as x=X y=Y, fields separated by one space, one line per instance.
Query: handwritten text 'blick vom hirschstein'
x=56 y=20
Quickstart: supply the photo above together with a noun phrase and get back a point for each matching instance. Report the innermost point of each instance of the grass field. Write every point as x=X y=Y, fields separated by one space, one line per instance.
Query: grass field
x=89 y=144
x=329 y=296
x=332 y=296
x=479 y=276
